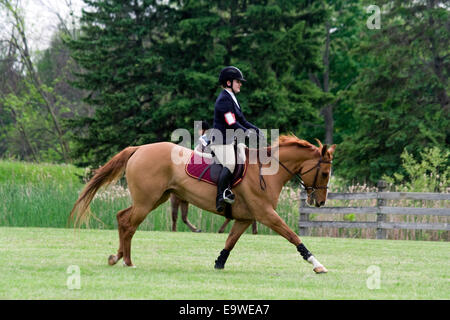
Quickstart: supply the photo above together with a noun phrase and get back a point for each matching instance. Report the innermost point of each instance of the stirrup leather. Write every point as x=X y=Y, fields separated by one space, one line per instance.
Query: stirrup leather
x=228 y=196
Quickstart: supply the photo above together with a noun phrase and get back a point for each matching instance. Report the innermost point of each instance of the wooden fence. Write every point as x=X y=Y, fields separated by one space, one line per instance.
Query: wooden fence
x=381 y=210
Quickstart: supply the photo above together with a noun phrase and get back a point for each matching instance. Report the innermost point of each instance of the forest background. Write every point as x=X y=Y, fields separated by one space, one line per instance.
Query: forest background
x=370 y=76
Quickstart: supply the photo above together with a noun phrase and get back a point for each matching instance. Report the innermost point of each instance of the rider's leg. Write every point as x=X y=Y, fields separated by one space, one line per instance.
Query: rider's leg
x=224 y=154
x=222 y=184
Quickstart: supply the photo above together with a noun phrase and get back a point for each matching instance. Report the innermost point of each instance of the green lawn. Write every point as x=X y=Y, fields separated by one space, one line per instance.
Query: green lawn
x=34 y=263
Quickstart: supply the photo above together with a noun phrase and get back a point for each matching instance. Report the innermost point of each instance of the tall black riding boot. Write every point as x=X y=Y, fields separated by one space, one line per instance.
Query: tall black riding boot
x=222 y=184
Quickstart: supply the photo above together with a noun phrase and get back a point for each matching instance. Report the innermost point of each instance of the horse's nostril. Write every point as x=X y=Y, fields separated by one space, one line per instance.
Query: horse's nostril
x=322 y=203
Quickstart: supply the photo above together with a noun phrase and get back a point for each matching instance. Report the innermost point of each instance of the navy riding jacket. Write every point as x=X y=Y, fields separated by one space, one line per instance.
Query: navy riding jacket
x=228 y=115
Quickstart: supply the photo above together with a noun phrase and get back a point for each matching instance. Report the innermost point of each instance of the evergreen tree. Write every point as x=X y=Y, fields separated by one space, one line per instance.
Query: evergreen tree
x=152 y=67
x=401 y=101
x=339 y=65
x=270 y=41
x=118 y=52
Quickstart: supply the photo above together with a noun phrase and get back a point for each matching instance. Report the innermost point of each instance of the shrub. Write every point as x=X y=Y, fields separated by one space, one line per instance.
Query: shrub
x=429 y=173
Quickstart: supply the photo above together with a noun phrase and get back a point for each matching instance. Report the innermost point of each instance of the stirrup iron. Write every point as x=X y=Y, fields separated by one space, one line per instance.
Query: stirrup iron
x=228 y=196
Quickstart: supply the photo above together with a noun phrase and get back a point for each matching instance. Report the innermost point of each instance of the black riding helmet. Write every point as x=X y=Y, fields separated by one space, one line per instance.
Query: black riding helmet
x=229 y=74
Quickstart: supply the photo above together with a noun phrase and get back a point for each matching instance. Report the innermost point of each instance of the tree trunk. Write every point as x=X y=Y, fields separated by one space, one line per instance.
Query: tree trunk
x=327 y=111
x=438 y=63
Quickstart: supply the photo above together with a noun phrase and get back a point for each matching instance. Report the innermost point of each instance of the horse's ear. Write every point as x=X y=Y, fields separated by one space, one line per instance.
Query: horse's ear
x=319 y=143
x=324 y=150
x=332 y=148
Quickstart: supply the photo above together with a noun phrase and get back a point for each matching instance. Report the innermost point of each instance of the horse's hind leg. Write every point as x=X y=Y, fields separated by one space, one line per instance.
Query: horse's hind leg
x=121 y=217
x=174 y=202
x=130 y=224
x=184 y=205
x=222 y=228
x=254 y=228
x=130 y=221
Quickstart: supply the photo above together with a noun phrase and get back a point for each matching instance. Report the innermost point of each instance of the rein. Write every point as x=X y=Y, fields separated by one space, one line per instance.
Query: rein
x=262 y=183
x=314 y=187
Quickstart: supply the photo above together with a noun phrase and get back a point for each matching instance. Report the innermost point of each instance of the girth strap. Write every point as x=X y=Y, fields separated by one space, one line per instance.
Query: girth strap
x=204 y=171
x=228 y=213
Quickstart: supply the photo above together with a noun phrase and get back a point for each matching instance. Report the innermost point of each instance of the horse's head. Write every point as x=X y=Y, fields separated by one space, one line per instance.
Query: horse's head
x=315 y=174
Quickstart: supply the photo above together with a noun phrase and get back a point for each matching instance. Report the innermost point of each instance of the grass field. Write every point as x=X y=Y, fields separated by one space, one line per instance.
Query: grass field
x=34 y=263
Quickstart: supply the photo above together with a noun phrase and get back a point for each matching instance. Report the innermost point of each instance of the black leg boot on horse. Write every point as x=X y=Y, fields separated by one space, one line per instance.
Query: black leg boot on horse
x=224 y=194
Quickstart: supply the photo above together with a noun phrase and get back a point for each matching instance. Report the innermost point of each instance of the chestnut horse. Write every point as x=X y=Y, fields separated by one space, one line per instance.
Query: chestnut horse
x=152 y=176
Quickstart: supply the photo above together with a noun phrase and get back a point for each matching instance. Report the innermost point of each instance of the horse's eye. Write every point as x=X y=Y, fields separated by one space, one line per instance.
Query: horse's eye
x=325 y=174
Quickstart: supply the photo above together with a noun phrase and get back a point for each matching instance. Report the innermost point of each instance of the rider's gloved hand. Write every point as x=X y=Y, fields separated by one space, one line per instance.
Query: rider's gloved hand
x=204 y=140
x=252 y=132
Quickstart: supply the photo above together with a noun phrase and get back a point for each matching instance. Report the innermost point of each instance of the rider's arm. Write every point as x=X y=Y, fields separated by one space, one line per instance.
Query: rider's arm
x=247 y=124
x=226 y=108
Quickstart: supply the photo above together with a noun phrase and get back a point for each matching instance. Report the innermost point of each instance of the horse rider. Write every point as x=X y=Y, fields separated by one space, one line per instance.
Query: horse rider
x=227 y=115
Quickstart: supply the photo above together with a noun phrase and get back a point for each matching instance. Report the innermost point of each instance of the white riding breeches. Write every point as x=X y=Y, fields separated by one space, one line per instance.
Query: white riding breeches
x=225 y=155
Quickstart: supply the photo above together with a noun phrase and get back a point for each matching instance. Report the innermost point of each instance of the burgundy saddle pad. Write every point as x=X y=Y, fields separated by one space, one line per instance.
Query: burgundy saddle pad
x=198 y=166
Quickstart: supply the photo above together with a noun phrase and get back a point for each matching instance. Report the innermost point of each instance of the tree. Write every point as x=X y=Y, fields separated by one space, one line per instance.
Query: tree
x=339 y=68
x=152 y=67
x=19 y=42
x=118 y=53
x=55 y=66
x=400 y=102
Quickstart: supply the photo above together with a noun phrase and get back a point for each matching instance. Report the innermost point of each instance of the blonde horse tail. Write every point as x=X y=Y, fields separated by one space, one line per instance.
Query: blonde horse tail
x=105 y=175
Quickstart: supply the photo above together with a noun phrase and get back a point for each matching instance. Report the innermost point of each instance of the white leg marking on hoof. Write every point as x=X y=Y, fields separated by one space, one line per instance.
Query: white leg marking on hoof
x=317 y=266
x=125 y=265
x=314 y=262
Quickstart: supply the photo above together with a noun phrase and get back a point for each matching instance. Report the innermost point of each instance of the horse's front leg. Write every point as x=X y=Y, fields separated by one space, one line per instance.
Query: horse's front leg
x=236 y=231
x=274 y=221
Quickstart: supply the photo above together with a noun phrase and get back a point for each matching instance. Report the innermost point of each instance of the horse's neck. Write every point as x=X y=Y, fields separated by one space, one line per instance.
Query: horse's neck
x=292 y=157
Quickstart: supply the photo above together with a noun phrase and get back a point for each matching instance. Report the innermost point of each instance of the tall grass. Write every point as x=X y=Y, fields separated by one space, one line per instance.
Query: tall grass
x=42 y=195
x=16 y=172
x=37 y=194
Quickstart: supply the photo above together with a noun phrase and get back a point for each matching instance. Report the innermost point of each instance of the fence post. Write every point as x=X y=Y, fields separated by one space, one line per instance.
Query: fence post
x=303 y=231
x=381 y=233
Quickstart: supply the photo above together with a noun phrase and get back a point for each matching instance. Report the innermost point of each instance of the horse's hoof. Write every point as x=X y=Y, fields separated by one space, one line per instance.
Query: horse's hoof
x=198 y=230
x=320 y=269
x=219 y=266
x=112 y=260
x=131 y=266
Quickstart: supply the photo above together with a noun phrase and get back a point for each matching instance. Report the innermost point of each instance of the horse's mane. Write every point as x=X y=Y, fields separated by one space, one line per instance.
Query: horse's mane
x=291 y=139
x=286 y=140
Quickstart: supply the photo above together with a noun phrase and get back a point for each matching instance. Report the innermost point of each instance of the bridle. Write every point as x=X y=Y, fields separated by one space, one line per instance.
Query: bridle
x=314 y=187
